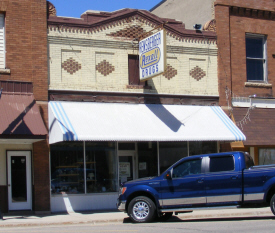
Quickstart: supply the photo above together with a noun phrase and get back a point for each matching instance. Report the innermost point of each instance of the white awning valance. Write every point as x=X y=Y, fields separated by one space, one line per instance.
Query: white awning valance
x=83 y=121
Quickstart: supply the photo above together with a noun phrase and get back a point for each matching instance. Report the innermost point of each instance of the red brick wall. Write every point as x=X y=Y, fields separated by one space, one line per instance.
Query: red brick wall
x=232 y=25
x=41 y=186
x=26 y=44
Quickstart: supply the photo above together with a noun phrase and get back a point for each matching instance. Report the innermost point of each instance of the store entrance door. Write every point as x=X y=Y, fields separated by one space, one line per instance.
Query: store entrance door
x=19 y=180
x=126 y=167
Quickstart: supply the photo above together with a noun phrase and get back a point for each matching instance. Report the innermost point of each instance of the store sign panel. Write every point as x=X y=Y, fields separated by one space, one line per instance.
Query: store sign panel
x=152 y=55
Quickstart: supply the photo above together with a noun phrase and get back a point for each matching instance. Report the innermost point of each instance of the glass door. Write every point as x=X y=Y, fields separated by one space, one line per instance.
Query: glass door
x=19 y=180
x=126 y=167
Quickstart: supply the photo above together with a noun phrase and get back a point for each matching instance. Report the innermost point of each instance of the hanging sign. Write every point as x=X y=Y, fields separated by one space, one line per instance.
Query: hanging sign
x=152 y=55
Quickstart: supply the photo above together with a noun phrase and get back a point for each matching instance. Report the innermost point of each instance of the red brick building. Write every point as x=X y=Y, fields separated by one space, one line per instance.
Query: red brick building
x=24 y=151
x=246 y=69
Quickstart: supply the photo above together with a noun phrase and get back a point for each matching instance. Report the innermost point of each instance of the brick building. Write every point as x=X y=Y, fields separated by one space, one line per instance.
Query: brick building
x=24 y=152
x=105 y=125
x=246 y=71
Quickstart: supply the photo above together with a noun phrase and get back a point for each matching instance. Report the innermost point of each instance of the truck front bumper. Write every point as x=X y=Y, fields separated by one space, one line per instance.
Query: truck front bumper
x=121 y=205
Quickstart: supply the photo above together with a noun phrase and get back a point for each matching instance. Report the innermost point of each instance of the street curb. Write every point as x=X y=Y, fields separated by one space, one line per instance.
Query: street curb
x=182 y=217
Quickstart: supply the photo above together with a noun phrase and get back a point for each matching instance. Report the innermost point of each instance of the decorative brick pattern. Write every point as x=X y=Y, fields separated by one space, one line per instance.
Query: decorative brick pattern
x=197 y=73
x=170 y=72
x=131 y=32
x=210 y=26
x=71 y=65
x=105 y=68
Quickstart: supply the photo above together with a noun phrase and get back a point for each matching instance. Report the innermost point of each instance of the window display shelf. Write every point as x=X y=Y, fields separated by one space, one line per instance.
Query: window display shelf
x=68 y=175
x=62 y=183
x=86 y=162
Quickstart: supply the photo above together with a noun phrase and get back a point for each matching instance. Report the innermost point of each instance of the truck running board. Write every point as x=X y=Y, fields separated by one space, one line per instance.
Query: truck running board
x=185 y=210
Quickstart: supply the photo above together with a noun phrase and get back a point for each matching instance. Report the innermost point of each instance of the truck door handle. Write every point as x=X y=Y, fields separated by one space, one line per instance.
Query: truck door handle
x=234 y=177
x=201 y=181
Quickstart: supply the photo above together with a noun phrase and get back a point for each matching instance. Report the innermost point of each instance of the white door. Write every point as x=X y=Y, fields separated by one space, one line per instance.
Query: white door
x=19 y=180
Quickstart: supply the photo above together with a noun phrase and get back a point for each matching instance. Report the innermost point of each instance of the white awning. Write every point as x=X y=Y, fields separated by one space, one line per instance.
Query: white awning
x=83 y=121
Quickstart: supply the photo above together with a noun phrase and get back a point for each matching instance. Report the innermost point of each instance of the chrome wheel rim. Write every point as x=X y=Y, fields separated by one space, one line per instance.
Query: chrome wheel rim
x=141 y=210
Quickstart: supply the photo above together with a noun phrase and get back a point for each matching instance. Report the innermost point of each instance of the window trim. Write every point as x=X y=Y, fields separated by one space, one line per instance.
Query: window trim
x=3 y=69
x=264 y=59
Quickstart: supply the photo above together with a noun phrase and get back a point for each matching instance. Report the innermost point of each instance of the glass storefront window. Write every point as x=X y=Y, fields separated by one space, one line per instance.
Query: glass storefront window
x=171 y=152
x=67 y=170
x=67 y=167
x=205 y=147
x=266 y=156
x=147 y=159
x=101 y=167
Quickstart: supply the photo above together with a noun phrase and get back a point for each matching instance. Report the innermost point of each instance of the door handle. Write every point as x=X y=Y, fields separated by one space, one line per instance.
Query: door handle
x=9 y=185
x=234 y=177
x=200 y=181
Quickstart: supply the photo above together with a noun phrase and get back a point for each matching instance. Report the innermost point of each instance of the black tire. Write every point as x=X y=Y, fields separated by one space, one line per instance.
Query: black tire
x=164 y=216
x=272 y=204
x=142 y=209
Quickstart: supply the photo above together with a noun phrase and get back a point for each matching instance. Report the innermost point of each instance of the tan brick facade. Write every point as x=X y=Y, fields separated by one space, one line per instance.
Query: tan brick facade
x=102 y=60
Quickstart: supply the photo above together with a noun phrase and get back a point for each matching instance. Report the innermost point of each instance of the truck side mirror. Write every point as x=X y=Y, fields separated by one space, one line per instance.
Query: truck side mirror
x=168 y=175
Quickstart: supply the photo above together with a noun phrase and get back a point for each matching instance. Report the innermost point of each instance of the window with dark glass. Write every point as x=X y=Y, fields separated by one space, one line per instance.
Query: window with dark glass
x=67 y=168
x=75 y=171
x=192 y=167
x=171 y=152
x=133 y=69
x=255 y=57
x=202 y=147
x=147 y=159
x=221 y=164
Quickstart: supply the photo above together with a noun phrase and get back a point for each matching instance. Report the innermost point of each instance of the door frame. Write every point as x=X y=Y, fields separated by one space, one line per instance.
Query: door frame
x=133 y=155
x=20 y=205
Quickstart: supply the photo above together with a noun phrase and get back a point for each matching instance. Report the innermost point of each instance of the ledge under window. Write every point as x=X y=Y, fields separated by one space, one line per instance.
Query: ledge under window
x=251 y=84
x=138 y=87
x=5 y=71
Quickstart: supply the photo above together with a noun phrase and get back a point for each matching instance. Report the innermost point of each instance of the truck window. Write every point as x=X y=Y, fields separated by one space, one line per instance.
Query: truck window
x=190 y=167
x=220 y=164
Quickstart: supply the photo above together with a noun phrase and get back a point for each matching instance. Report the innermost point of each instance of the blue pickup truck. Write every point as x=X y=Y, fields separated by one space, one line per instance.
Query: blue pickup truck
x=222 y=180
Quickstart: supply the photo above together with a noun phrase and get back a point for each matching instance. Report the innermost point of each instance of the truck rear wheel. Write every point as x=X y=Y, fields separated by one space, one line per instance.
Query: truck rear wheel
x=142 y=209
x=272 y=204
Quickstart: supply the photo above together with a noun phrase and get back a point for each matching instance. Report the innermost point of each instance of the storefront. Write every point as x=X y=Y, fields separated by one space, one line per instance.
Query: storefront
x=96 y=146
x=22 y=132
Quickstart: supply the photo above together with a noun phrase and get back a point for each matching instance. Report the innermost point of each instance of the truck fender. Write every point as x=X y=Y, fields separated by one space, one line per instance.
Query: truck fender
x=144 y=190
x=270 y=184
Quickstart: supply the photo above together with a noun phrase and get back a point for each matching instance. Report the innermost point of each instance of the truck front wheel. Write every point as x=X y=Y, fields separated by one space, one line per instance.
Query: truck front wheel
x=272 y=204
x=142 y=209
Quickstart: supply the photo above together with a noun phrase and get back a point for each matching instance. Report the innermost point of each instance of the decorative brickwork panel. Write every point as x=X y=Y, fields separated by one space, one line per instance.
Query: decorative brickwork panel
x=170 y=72
x=131 y=32
x=71 y=65
x=105 y=68
x=197 y=73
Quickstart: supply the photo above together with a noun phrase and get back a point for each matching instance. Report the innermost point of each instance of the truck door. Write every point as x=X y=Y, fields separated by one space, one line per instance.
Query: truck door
x=223 y=180
x=186 y=188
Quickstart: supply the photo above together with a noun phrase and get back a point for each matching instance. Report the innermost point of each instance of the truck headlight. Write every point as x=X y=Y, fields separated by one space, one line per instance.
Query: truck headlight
x=122 y=190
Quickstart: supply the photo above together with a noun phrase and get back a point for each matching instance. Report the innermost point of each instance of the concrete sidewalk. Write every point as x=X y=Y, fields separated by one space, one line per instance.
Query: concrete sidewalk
x=119 y=217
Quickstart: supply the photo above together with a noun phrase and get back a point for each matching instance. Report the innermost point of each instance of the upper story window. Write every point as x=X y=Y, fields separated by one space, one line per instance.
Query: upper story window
x=2 y=41
x=256 y=64
x=133 y=67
